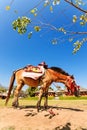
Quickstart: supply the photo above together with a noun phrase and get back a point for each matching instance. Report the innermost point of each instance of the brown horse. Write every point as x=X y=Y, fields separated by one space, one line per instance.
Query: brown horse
x=53 y=74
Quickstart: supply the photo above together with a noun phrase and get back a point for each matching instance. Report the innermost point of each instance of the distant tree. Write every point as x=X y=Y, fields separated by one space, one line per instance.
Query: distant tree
x=50 y=88
x=31 y=91
x=3 y=89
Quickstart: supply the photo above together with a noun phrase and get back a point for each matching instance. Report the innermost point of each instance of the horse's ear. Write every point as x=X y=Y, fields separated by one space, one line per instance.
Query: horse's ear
x=72 y=76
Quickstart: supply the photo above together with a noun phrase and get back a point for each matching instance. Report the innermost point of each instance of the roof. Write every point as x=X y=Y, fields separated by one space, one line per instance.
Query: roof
x=83 y=89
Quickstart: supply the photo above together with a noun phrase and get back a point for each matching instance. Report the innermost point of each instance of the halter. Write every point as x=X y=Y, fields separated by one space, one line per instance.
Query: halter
x=69 y=80
x=71 y=85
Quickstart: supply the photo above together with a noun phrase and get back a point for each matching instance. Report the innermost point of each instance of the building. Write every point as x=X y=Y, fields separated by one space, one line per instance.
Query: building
x=50 y=93
x=83 y=91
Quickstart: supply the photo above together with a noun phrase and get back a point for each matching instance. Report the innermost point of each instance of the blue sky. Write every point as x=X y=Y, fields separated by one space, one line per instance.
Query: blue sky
x=17 y=51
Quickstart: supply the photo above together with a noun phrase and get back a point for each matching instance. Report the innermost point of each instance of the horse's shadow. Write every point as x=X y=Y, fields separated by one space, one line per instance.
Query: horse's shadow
x=55 y=107
x=69 y=108
x=31 y=110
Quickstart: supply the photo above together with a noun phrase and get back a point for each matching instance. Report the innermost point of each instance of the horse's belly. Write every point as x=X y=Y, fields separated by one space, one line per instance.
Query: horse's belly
x=31 y=82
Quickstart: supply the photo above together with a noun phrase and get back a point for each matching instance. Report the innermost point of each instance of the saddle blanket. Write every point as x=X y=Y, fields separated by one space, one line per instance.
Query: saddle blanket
x=33 y=75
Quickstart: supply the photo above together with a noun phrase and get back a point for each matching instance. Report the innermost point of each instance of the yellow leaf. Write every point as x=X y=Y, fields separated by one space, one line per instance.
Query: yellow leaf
x=82 y=17
x=85 y=18
x=45 y=5
x=37 y=28
x=35 y=14
x=74 y=18
x=33 y=11
x=51 y=8
x=82 y=23
x=7 y=8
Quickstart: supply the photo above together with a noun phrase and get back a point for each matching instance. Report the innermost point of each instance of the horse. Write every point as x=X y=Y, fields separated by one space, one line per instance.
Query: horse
x=52 y=74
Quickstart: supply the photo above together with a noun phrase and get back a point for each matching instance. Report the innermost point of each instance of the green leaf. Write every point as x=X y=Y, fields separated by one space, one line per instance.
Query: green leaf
x=46 y=3
x=79 y=2
x=56 y=2
x=21 y=24
x=54 y=41
x=30 y=35
x=70 y=39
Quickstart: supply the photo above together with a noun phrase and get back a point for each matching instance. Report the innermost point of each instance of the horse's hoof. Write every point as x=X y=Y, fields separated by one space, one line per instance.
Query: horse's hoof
x=15 y=105
x=45 y=107
x=38 y=109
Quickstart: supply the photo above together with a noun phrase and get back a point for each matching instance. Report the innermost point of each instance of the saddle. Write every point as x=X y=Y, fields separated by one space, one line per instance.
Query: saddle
x=33 y=72
x=31 y=68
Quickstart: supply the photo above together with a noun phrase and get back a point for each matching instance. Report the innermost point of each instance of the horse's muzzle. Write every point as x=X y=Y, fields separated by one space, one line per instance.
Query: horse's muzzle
x=77 y=93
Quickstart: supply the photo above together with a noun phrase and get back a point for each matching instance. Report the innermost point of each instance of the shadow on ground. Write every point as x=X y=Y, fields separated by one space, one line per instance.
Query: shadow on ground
x=58 y=108
x=68 y=127
x=49 y=115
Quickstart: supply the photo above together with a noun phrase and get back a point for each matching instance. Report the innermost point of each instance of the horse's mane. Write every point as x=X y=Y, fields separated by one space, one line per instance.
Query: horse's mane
x=59 y=70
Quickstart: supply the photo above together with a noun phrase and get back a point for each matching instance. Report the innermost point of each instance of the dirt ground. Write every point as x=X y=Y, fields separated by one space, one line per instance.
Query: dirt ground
x=63 y=115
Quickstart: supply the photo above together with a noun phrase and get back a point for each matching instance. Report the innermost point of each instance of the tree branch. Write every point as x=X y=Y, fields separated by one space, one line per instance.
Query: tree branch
x=57 y=29
x=71 y=3
x=82 y=33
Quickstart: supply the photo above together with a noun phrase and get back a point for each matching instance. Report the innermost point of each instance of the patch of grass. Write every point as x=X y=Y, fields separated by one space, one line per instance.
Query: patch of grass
x=2 y=102
x=29 y=98
x=8 y=128
x=36 y=98
x=33 y=100
x=73 y=98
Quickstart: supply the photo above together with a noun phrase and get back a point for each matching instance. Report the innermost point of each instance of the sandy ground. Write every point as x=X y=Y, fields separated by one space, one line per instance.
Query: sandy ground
x=60 y=116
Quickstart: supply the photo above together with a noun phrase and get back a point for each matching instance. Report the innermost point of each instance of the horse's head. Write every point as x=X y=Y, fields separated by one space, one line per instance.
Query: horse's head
x=71 y=86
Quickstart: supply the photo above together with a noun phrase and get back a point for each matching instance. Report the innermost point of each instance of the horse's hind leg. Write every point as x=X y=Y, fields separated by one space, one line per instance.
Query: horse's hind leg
x=15 y=102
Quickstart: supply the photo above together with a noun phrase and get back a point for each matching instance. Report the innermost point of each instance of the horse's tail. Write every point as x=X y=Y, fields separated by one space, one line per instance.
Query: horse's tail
x=10 y=87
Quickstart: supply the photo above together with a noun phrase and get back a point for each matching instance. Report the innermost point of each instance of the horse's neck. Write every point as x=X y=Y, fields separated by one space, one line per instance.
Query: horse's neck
x=61 y=81
x=59 y=77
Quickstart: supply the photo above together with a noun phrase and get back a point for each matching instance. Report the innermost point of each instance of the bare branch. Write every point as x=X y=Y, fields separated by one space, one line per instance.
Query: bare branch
x=55 y=28
x=71 y=3
x=78 y=32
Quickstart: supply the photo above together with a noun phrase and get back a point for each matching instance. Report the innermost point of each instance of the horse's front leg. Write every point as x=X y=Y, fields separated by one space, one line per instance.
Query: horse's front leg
x=46 y=99
x=15 y=102
x=39 y=100
x=46 y=94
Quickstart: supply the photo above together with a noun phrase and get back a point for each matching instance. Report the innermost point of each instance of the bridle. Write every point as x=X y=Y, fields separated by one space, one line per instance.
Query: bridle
x=71 y=85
